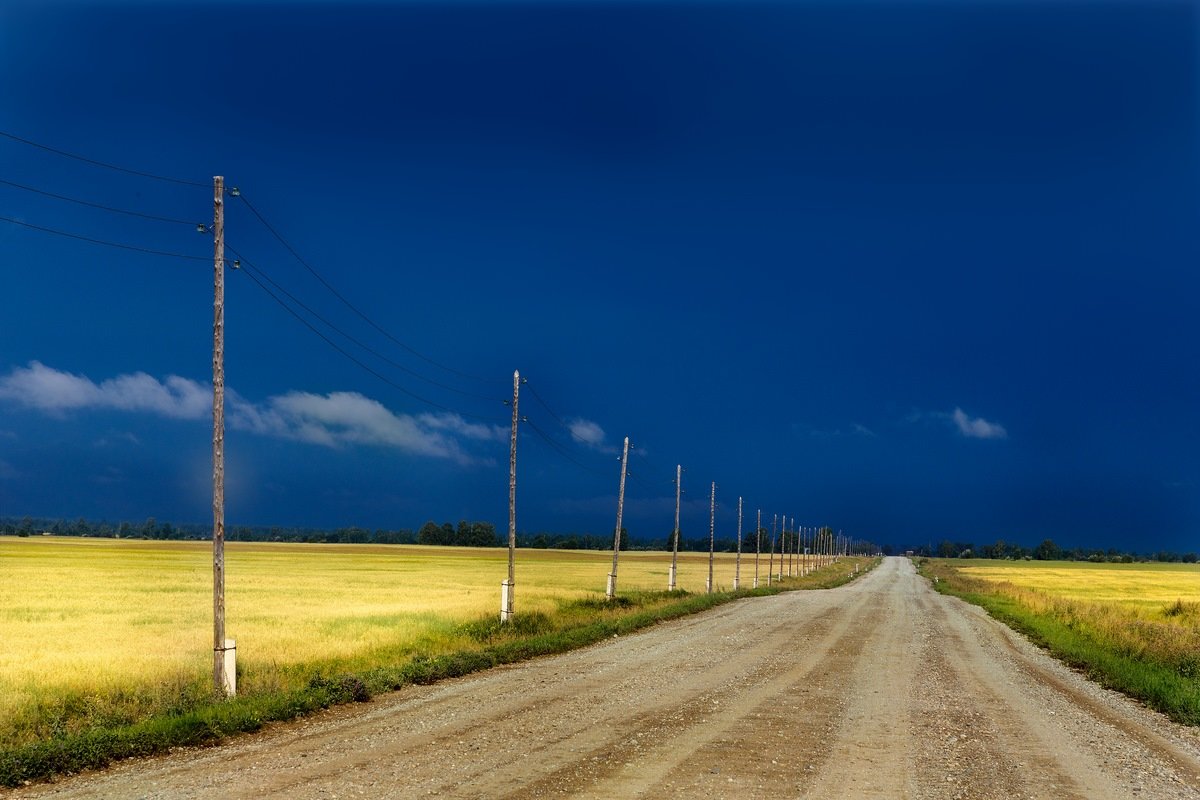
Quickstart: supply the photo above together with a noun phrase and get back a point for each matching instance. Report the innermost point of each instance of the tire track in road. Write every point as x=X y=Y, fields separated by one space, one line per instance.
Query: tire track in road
x=870 y=745
x=696 y=747
x=976 y=737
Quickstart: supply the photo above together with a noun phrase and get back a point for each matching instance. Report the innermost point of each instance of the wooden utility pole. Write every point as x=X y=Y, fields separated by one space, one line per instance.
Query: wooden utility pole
x=222 y=683
x=506 y=588
x=712 y=528
x=675 y=545
x=807 y=536
x=612 y=576
x=792 y=548
x=771 y=562
x=757 y=545
x=737 y=564
x=787 y=548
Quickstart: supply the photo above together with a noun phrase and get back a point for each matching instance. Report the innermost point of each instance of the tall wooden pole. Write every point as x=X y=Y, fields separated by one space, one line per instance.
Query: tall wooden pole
x=757 y=545
x=220 y=680
x=783 y=523
x=712 y=528
x=611 y=592
x=675 y=545
x=771 y=562
x=792 y=548
x=737 y=564
x=807 y=539
x=506 y=589
x=787 y=547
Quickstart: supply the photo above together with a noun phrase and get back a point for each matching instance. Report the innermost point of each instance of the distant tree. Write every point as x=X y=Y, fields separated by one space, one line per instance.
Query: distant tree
x=1047 y=551
x=483 y=534
x=431 y=533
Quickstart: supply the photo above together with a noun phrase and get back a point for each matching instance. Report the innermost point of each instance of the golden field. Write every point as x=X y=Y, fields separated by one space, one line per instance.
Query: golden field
x=1146 y=588
x=112 y=630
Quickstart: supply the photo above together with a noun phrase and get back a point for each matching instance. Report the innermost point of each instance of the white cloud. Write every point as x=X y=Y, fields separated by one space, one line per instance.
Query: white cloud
x=588 y=433
x=977 y=427
x=48 y=389
x=332 y=420
x=855 y=429
x=446 y=421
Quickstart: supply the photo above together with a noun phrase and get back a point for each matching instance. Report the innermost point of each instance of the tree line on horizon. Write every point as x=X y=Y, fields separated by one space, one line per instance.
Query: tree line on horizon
x=484 y=534
x=464 y=534
x=1047 y=550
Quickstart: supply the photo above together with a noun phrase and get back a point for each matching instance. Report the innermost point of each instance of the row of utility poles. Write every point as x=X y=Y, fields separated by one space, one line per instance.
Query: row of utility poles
x=807 y=549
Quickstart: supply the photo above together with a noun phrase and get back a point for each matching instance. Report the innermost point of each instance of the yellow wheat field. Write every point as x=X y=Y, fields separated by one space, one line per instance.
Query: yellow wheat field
x=1146 y=588
x=84 y=621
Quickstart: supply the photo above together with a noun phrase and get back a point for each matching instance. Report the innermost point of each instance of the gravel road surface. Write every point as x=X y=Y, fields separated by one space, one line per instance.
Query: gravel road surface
x=879 y=689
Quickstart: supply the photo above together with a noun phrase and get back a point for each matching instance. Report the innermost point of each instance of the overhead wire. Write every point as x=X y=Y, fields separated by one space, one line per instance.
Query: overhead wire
x=631 y=475
x=560 y=449
x=104 y=242
x=90 y=204
x=258 y=276
x=104 y=164
x=242 y=196
x=544 y=405
x=246 y=263
x=651 y=465
x=250 y=274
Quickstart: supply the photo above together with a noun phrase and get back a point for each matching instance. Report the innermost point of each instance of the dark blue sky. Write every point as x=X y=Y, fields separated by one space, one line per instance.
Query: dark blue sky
x=914 y=270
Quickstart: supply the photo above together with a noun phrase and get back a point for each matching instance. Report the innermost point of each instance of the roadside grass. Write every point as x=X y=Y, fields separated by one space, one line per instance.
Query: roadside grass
x=327 y=638
x=1142 y=646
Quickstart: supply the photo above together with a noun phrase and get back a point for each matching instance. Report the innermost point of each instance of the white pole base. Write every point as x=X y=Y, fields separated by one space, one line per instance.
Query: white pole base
x=230 y=668
x=671 y=578
x=611 y=591
x=506 y=601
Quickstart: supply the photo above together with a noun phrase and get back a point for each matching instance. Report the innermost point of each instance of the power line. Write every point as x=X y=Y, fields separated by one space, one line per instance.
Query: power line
x=347 y=303
x=104 y=164
x=97 y=205
x=651 y=465
x=549 y=410
x=335 y=346
x=558 y=448
x=135 y=248
x=245 y=263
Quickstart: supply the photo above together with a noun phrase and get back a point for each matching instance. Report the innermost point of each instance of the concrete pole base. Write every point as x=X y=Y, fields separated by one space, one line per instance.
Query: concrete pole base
x=671 y=578
x=506 y=600
x=611 y=591
x=230 y=668
x=708 y=585
x=735 y=583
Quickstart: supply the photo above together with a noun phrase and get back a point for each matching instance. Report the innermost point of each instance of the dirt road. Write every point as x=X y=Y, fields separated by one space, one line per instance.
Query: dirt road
x=879 y=689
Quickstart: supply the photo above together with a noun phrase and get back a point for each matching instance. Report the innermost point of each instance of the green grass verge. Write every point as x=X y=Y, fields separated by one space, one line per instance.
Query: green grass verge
x=578 y=624
x=1160 y=686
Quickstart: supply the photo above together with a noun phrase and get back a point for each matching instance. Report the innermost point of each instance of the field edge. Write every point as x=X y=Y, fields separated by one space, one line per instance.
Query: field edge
x=1157 y=686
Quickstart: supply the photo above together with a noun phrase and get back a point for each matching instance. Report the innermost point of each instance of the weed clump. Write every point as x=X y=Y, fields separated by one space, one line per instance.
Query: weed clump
x=1182 y=608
